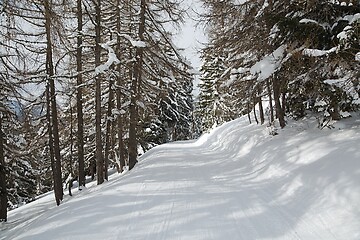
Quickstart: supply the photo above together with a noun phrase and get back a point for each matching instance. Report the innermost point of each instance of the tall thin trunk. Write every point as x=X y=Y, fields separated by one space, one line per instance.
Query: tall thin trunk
x=3 y=190
x=51 y=141
x=99 y=154
x=54 y=118
x=270 y=101
x=71 y=150
x=254 y=109
x=248 y=111
x=133 y=126
x=120 y=126
x=279 y=110
x=283 y=101
x=108 y=129
x=135 y=86
x=261 y=109
x=79 y=104
x=113 y=135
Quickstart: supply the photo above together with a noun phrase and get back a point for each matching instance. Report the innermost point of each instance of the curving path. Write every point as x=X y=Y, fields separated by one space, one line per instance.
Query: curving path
x=236 y=183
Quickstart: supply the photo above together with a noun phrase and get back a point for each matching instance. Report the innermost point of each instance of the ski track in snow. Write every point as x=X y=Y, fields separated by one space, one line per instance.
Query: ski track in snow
x=234 y=183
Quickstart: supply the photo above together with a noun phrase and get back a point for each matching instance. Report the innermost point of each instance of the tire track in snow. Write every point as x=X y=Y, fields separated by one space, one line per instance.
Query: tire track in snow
x=167 y=217
x=309 y=227
x=130 y=225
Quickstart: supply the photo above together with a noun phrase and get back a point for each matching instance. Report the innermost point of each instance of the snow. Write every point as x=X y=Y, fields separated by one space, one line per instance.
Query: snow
x=345 y=114
x=311 y=21
x=317 y=52
x=134 y=43
x=236 y=182
x=269 y=64
x=138 y=44
x=345 y=33
x=320 y=103
x=140 y=104
x=240 y=2
x=274 y=30
x=355 y=18
x=305 y=20
x=112 y=59
x=357 y=57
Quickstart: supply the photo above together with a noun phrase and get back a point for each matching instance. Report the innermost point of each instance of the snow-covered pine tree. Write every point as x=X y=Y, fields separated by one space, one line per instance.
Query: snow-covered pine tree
x=170 y=117
x=303 y=53
x=210 y=112
x=183 y=129
x=323 y=39
x=236 y=30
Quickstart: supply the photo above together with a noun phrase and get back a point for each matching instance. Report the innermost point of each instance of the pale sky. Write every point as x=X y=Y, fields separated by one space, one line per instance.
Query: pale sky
x=192 y=37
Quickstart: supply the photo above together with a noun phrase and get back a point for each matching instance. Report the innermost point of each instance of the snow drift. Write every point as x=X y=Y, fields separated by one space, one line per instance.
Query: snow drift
x=237 y=182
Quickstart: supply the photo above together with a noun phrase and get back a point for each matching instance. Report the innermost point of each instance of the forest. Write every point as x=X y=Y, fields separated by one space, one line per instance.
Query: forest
x=89 y=85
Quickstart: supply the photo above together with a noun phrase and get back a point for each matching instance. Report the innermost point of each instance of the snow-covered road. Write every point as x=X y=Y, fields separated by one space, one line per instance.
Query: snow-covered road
x=236 y=183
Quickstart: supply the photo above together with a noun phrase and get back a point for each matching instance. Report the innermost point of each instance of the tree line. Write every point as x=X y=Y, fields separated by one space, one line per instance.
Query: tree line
x=86 y=85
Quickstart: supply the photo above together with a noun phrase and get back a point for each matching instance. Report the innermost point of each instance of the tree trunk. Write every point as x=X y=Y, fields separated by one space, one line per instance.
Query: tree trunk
x=71 y=171
x=113 y=135
x=120 y=126
x=54 y=118
x=261 y=109
x=271 y=108
x=108 y=129
x=55 y=130
x=279 y=110
x=79 y=104
x=135 y=85
x=254 y=109
x=248 y=111
x=3 y=190
x=99 y=154
x=133 y=127
x=51 y=141
x=283 y=101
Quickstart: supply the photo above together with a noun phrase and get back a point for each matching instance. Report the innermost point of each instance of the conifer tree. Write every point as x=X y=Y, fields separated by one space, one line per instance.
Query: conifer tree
x=211 y=106
x=291 y=49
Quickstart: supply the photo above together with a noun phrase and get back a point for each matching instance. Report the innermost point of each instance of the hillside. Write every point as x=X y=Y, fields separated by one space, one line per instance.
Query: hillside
x=237 y=182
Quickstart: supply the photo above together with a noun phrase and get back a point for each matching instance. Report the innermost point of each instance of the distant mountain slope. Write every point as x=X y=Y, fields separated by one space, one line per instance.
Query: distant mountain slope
x=237 y=182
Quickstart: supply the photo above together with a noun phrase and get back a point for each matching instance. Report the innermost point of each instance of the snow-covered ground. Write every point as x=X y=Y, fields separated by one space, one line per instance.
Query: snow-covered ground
x=238 y=182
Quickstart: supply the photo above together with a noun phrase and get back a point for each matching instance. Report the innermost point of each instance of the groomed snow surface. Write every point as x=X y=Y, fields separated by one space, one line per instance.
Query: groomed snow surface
x=238 y=182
